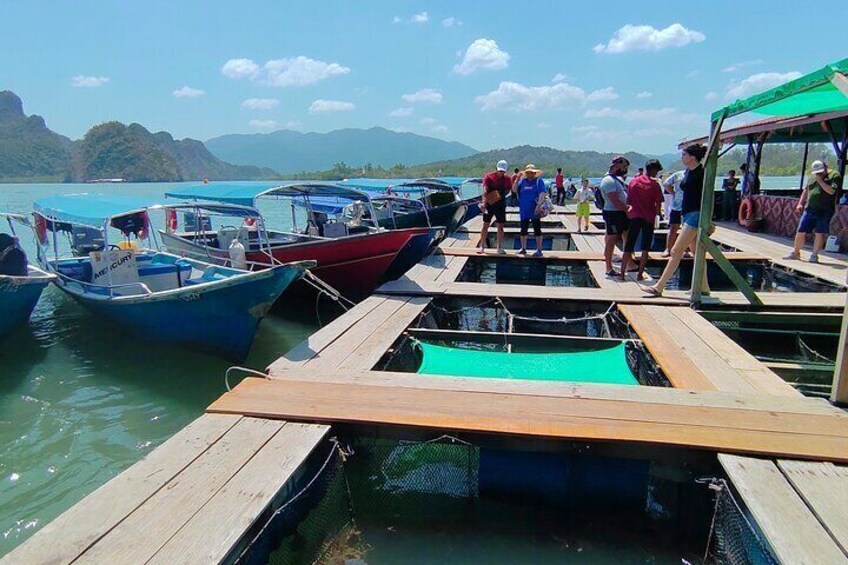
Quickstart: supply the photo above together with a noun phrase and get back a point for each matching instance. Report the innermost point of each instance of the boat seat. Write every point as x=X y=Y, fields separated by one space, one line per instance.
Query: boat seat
x=79 y=270
x=209 y=275
x=335 y=229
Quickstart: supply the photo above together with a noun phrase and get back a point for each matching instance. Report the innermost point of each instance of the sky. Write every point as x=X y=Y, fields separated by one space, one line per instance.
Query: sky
x=615 y=76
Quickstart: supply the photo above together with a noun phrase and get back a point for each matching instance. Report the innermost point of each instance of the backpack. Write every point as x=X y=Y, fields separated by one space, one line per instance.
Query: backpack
x=599 y=198
x=544 y=206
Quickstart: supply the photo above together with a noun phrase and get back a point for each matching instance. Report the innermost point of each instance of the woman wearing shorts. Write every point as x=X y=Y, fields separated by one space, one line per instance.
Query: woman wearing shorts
x=692 y=186
x=529 y=190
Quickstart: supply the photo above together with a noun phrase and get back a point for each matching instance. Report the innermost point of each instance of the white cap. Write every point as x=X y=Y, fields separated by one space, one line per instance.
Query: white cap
x=502 y=165
x=817 y=167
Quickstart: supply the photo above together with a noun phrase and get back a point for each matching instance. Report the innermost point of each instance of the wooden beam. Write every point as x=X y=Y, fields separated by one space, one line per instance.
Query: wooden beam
x=565 y=341
x=740 y=283
x=788 y=318
x=839 y=391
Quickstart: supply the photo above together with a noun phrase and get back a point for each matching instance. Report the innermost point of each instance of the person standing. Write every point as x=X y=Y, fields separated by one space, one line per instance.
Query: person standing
x=559 y=181
x=672 y=187
x=818 y=203
x=644 y=199
x=730 y=207
x=530 y=189
x=614 y=193
x=512 y=199
x=584 y=196
x=692 y=187
x=497 y=185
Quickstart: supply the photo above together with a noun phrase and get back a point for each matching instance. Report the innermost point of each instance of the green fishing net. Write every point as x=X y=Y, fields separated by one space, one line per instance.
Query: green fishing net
x=598 y=366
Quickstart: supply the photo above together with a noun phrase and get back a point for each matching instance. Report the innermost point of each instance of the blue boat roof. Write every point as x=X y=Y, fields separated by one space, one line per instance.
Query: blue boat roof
x=381 y=185
x=246 y=195
x=91 y=209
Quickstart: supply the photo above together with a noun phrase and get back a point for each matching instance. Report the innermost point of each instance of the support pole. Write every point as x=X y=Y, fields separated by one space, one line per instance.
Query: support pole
x=707 y=203
x=839 y=392
x=804 y=165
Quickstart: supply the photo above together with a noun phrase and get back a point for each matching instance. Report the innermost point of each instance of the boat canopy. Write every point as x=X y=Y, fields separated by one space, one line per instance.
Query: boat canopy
x=372 y=185
x=824 y=90
x=421 y=185
x=246 y=195
x=91 y=209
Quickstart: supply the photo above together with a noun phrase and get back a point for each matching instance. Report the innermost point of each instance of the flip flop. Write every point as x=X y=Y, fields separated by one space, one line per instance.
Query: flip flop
x=651 y=291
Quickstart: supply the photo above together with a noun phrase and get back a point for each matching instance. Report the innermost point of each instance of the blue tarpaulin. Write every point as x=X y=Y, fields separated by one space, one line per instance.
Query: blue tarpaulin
x=91 y=209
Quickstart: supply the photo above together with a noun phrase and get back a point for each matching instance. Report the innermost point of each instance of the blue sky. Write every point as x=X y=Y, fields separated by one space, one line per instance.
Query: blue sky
x=610 y=76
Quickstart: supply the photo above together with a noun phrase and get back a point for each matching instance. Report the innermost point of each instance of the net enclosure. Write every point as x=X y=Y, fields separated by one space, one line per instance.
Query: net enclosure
x=607 y=365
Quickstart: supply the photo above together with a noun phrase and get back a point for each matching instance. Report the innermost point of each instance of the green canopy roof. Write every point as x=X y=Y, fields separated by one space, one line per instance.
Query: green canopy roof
x=810 y=94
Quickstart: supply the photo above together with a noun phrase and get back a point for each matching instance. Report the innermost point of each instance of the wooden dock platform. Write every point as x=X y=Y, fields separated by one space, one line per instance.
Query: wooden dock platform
x=197 y=497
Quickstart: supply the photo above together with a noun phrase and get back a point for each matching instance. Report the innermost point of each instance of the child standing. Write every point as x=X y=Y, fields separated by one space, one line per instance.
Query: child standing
x=584 y=196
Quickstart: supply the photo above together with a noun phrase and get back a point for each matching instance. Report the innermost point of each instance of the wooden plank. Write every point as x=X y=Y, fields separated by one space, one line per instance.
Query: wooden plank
x=82 y=525
x=797 y=436
x=369 y=352
x=645 y=395
x=729 y=270
x=141 y=534
x=680 y=370
x=350 y=338
x=824 y=487
x=591 y=255
x=789 y=318
x=453 y=269
x=315 y=343
x=217 y=528
x=512 y=337
x=793 y=532
x=748 y=367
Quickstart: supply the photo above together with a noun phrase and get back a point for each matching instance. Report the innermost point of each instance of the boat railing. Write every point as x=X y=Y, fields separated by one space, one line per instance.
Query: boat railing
x=87 y=285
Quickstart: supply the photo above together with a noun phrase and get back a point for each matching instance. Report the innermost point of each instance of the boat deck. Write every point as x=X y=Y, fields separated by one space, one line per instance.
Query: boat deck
x=198 y=496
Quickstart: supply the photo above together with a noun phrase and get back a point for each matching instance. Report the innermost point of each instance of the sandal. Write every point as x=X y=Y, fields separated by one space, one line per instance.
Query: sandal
x=652 y=291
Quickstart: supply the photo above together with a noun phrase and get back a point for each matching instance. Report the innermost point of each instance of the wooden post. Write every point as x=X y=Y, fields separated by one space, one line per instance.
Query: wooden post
x=804 y=165
x=707 y=203
x=839 y=392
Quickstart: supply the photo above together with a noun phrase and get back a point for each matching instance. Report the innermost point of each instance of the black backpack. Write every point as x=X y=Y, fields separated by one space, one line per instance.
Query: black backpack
x=599 y=198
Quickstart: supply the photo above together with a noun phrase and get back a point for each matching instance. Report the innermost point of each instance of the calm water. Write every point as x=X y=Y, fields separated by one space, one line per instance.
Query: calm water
x=79 y=401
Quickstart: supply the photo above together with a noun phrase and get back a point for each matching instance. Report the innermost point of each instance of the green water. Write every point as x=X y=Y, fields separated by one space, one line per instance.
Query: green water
x=80 y=401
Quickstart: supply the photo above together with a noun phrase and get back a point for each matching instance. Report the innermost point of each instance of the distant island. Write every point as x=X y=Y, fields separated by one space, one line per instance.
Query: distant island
x=31 y=152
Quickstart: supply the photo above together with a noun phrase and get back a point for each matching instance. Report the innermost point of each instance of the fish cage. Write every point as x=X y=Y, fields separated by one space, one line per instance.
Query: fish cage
x=518 y=271
x=392 y=496
x=589 y=342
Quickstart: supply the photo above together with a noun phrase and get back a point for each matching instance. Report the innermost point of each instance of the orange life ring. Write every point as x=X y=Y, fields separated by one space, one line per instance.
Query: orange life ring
x=746 y=211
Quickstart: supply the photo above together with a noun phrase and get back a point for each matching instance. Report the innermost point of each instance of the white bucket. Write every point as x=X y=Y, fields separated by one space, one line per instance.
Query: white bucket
x=832 y=244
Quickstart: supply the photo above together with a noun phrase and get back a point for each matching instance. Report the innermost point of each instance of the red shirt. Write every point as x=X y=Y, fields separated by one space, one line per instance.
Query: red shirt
x=644 y=195
x=559 y=180
x=493 y=181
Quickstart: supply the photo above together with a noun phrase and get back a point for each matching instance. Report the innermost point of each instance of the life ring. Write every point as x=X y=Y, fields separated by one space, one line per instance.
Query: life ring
x=746 y=211
x=170 y=220
x=249 y=222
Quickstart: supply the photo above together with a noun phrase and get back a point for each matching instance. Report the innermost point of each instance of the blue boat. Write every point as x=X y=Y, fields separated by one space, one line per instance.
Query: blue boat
x=21 y=284
x=147 y=292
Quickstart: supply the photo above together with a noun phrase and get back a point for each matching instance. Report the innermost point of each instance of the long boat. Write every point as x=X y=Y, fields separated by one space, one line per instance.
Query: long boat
x=20 y=285
x=354 y=254
x=150 y=293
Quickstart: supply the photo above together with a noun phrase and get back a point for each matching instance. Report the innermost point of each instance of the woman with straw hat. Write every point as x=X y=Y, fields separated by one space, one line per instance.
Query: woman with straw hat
x=530 y=189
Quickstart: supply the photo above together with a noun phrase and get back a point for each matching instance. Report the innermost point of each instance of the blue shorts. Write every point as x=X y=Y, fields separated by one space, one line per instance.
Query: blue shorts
x=814 y=222
x=692 y=219
x=674 y=217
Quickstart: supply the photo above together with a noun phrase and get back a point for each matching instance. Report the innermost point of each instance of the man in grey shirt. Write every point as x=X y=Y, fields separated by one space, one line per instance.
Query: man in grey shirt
x=614 y=191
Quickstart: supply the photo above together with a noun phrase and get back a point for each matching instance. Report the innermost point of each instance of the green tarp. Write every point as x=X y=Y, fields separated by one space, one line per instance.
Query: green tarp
x=599 y=366
x=810 y=94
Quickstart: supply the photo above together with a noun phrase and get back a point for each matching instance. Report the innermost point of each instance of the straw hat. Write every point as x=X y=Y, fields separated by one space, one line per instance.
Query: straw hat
x=531 y=168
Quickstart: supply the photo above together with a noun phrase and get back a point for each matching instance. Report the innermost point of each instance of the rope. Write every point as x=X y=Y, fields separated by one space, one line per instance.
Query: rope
x=321 y=286
x=244 y=370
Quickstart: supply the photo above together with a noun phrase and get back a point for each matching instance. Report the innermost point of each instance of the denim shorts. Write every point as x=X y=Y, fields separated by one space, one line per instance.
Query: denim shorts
x=692 y=219
x=814 y=222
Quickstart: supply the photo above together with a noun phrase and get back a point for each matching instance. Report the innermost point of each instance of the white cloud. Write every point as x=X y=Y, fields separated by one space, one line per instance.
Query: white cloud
x=659 y=115
x=260 y=103
x=441 y=128
x=400 y=112
x=607 y=93
x=240 y=68
x=450 y=22
x=294 y=71
x=559 y=77
x=648 y=38
x=397 y=20
x=262 y=124
x=293 y=124
x=427 y=121
x=758 y=83
x=644 y=94
x=188 y=92
x=693 y=74
x=300 y=71
x=741 y=65
x=710 y=96
x=543 y=125
x=518 y=97
x=320 y=106
x=82 y=81
x=421 y=18
x=482 y=54
x=584 y=129
x=424 y=95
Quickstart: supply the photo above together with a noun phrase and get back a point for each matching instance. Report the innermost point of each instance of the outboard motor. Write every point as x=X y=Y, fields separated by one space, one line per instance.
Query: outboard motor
x=85 y=240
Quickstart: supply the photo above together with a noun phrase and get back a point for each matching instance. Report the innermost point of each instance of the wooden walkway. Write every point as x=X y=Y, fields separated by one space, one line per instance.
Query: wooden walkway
x=191 y=500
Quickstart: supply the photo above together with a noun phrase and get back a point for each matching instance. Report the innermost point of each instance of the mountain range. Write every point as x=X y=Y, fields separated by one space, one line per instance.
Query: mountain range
x=289 y=152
